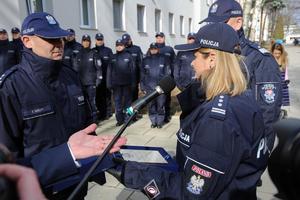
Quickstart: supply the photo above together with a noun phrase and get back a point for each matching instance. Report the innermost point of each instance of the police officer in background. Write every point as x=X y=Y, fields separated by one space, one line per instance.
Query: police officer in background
x=265 y=80
x=88 y=64
x=103 y=94
x=121 y=80
x=184 y=73
x=71 y=48
x=9 y=54
x=154 y=68
x=221 y=148
x=137 y=56
x=43 y=108
x=170 y=55
x=16 y=40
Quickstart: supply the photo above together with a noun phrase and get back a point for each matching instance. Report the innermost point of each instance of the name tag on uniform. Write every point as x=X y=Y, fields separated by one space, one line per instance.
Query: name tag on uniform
x=134 y=54
x=167 y=54
x=161 y=65
x=105 y=57
x=91 y=59
x=11 y=51
x=126 y=60
x=37 y=111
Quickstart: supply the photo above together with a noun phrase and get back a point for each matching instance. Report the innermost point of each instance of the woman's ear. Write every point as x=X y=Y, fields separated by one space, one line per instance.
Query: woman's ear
x=212 y=59
x=27 y=42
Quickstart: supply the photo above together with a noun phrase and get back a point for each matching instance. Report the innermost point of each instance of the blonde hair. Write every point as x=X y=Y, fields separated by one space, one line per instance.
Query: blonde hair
x=283 y=61
x=224 y=78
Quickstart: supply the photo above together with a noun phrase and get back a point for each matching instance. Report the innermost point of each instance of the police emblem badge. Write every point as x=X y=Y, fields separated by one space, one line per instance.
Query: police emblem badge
x=268 y=91
x=151 y=189
x=214 y=8
x=50 y=19
x=196 y=184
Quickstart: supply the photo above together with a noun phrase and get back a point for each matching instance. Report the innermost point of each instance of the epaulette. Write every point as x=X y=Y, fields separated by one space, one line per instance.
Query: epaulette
x=259 y=48
x=6 y=74
x=218 y=110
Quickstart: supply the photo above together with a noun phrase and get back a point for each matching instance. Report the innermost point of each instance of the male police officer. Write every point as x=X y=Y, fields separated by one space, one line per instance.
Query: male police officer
x=265 y=81
x=71 y=48
x=103 y=95
x=16 y=39
x=137 y=56
x=183 y=71
x=88 y=64
x=42 y=104
x=9 y=54
x=170 y=56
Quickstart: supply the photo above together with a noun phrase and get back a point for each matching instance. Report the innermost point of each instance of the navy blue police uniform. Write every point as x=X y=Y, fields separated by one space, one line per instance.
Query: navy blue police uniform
x=154 y=68
x=264 y=74
x=9 y=54
x=221 y=144
x=88 y=64
x=137 y=56
x=71 y=50
x=103 y=94
x=184 y=73
x=170 y=56
x=17 y=42
x=41 y=104
x=121 y=79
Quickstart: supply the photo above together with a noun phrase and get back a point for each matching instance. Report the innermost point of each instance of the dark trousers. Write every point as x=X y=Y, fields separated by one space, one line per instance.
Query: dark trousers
x=168 y=106
x=103 y=101
x=157 y=110
x=122 y=99
x=135 y=93
x=90 y=90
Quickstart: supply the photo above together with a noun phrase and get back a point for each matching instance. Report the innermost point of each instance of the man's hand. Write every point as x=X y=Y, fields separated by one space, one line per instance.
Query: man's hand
x=25 y=179
x=84 y=145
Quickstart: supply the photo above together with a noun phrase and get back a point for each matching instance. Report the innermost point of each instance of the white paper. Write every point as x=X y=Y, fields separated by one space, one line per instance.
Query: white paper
x=146 y=156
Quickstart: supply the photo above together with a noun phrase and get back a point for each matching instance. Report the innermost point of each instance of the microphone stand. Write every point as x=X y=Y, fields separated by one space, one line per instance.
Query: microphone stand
x=100 y=158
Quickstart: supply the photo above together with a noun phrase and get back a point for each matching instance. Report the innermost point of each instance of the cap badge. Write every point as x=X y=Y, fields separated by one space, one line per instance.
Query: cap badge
x=214 y=8
x=50 y=19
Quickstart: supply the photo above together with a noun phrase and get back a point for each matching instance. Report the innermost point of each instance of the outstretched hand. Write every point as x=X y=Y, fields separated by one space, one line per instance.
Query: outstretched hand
x=84 y=145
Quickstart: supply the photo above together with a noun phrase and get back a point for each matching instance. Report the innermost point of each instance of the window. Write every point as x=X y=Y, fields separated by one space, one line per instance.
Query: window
x=171 y=23
x=181 y=25
x=190 y=25
x=141 y=18
x=88 y=14
x=118 y=12
x=157 y=20
x=39 y=6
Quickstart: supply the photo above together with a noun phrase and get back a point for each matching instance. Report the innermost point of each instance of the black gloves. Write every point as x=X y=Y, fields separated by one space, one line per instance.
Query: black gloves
x=118 y=171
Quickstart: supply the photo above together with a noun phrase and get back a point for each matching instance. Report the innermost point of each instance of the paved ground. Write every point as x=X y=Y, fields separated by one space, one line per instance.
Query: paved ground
x=141 y=134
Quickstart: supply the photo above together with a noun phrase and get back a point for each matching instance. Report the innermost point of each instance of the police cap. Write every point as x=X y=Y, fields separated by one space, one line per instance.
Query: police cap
x=161 y=34
x=86 y=37
x=99 y=36
x=15 y=30
x=2 y=30
x=153 y=45
x=120 y=42
x=71 y=31
x=222 y=10
x=209 y=36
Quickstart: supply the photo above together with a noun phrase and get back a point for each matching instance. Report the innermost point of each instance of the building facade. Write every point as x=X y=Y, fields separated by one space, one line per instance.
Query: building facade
x=140 y=18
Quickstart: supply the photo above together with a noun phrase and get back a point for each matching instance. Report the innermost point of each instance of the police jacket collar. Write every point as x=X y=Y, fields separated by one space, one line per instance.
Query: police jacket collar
x=4 y=42
x=48 y=70
x=99 y=47
x=243 y=40
x=160 y=45
x=70 y=43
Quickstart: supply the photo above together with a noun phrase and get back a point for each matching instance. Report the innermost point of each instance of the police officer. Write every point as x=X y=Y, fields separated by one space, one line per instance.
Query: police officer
x=103 y=94
x=71 y=48
x=170 y=55
x=221 y=148
x=137 y=56
x=9 y=54
x=88 y=64
x=16 y=40
x=183 y=71
x=42 y=104
x=121 y=80
x=265 y=80
x=154 y=68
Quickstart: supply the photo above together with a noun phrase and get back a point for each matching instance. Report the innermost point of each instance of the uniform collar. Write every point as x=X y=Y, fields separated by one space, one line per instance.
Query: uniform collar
x=160 y=45
x=48 y=70
x=4 y=42
x=242 y=38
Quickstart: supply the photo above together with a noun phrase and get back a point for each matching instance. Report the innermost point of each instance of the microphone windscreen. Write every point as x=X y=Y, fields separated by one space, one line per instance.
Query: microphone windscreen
x=167 y=84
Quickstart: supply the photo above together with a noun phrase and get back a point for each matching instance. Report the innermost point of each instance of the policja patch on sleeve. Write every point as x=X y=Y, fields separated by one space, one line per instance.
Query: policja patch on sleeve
x=151 y=189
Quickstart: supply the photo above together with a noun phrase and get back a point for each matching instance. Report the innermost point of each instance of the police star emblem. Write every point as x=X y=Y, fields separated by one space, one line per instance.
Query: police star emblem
x=50 y=19
x=196 y=184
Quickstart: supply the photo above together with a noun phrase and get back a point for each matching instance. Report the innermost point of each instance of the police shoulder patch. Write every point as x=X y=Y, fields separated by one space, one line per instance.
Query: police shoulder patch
x=6 y=74
x=218 y=110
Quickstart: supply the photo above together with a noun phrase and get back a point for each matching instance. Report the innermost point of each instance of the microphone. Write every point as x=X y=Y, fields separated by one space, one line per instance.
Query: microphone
x=165 y=85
